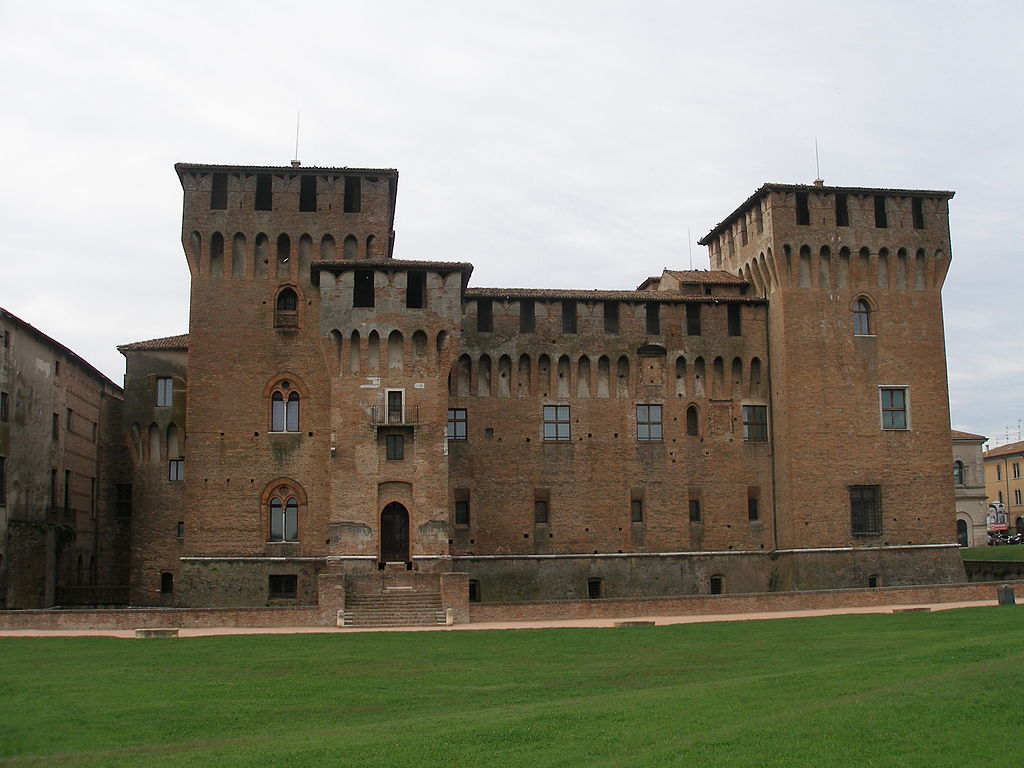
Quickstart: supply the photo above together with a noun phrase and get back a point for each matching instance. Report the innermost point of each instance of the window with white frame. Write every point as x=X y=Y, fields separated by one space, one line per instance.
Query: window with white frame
x=284 y=408
x=755 y=423
x=164 y=391
x=648 y=423
x=456 y=423
x=176 y=470
x=556 y=423
x=894 y=407
x=284 y=518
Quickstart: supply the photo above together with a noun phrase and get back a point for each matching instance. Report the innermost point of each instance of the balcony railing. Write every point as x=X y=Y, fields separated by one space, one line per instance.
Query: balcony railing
x=381 y=415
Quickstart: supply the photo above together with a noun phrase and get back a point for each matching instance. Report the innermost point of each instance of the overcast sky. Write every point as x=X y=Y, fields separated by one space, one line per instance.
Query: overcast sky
x=551 y=144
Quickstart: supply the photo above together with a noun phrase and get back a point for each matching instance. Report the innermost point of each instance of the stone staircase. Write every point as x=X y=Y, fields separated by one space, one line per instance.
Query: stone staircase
x=394 y=607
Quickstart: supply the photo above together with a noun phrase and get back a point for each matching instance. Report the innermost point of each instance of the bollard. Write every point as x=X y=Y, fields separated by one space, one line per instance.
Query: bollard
x=1005 y=595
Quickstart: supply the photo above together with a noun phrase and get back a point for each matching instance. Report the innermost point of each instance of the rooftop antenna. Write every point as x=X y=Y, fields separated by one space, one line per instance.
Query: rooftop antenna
x=296 y=163
x=818 y=181
x=689 y=247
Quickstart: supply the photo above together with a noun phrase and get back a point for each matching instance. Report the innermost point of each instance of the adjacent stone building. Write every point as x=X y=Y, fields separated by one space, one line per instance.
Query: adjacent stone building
x=65 y=490
x=338 y=420
x=969 y=489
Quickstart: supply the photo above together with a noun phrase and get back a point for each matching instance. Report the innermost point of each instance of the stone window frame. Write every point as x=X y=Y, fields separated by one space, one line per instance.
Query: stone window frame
x=557 y=423
x=894 y=407
x=649 y=422
x=282 y=491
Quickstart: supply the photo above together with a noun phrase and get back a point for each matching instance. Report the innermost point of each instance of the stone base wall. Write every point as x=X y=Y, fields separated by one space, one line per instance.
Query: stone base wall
x=744 y=603
x=141 y=618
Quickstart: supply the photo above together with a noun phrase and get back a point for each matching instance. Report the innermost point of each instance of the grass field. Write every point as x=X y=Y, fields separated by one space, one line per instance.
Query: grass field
x=1005 y=552
x=916 y=689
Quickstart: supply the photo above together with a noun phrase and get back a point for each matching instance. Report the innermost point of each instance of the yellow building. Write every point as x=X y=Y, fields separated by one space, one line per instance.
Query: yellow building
x=1004 y=482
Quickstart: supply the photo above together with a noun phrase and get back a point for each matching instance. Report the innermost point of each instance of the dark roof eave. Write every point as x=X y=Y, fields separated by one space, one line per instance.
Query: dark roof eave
x=442 y=267
x=599 y=295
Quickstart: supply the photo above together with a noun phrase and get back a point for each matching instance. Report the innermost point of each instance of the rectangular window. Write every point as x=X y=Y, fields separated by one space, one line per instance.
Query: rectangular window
x=164 y=391
x=4 y=414
x=1016 y=497
x=556 y=422
x=92 y=497
x=462 y=506
x=917 y=208
x=753 y=511
x=1016 y=470
x=3 y=481
x=734 y=319
x=484 y=315
x=456 y=423
x=541 y=501
x=352 y=194
x=67 y=489
x=881 y=220
x=611 y=317
x=264 y=192
x=219 y=192
x=395 y=447
x=842 y=211
x=803 y=212
x=648 y=422
x=181 y=529
x=755 y=423
x=865 y=509
x=283 y=586
x=999 y=472
x=894 y=407
x=55 y=426
x=694 y=507
x=307 y=194
x=568 y=316
x=416 y=289
x=53 y=490
x=68 y=419
x=122 y=499
x=395 y=409
x=176 y=470
x=653 y=318
x=362 y=288
x=527 y=318
x=693 y=319
x=636 y=509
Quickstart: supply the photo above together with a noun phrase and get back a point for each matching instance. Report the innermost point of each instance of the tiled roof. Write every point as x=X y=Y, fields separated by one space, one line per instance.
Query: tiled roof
x=167 y=342
x=958 y=435
x=706 y=276
x=1005 y=450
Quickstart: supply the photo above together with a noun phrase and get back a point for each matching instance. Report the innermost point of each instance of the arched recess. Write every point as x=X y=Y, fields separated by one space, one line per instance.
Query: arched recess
x=805 y=267
x=901 y=269
x=173 y=445
x=825 y=268
x=371 y=247
x=920 y=268
x=583 y=377
x=718 y=378
x=328 y=249
x=260 y=255
x=195 y=251
x=286 y=307
x=483 y=377
x=137 y=449
x=349 y=247
x=603 y=376
x=863 y=269
x=523 y=376
x=154 y=444
x=396 y=351
x=843 y=268
x=442 y=337
x=544 y=375
x=217 y=255
x=692 y=421
x=284 y=256
x=939 y=267
x=504 y=376
x=622 y=377
x=681 y=376
x=563 y=376
x=754 y=389
x=736 y=380
x=464 y=375
x=354 y=353
x=394 y=533
x=963 y=538
x=698 y=377
x=305 y=256
x=883 y=269
x=419 y=348
x=336 y=341
x=373 y=351
x=787 y=263
x=238 y=255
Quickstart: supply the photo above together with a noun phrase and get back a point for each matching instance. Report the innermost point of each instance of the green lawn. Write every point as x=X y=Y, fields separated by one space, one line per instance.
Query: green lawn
x=914 y=689
x=1004 y=552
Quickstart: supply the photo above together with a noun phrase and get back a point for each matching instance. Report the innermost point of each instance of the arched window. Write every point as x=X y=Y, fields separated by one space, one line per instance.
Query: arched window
x=958 y=473
x=861 y=318
x=284 y=408
x=286 y=314
x=284 y=518
x=717 y=585
x=692 y=425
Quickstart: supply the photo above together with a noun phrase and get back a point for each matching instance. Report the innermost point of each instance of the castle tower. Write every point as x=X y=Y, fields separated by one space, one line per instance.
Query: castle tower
x=860 y=413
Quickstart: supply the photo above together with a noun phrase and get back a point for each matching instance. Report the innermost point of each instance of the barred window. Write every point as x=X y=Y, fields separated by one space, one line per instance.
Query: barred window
x=865 y=509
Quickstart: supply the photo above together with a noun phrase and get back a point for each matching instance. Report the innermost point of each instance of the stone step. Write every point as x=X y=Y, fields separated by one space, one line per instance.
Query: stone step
x=393 y=619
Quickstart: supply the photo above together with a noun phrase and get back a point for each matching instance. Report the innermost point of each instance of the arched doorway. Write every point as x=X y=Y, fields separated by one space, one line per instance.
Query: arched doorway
x=961 y=533
x=394 y=533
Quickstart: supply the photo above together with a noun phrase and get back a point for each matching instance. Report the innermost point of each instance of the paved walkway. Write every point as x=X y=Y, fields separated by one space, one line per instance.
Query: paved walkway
x=659 y=620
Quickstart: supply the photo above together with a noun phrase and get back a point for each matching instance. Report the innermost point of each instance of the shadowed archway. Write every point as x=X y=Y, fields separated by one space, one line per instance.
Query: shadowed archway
x=394 y=533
